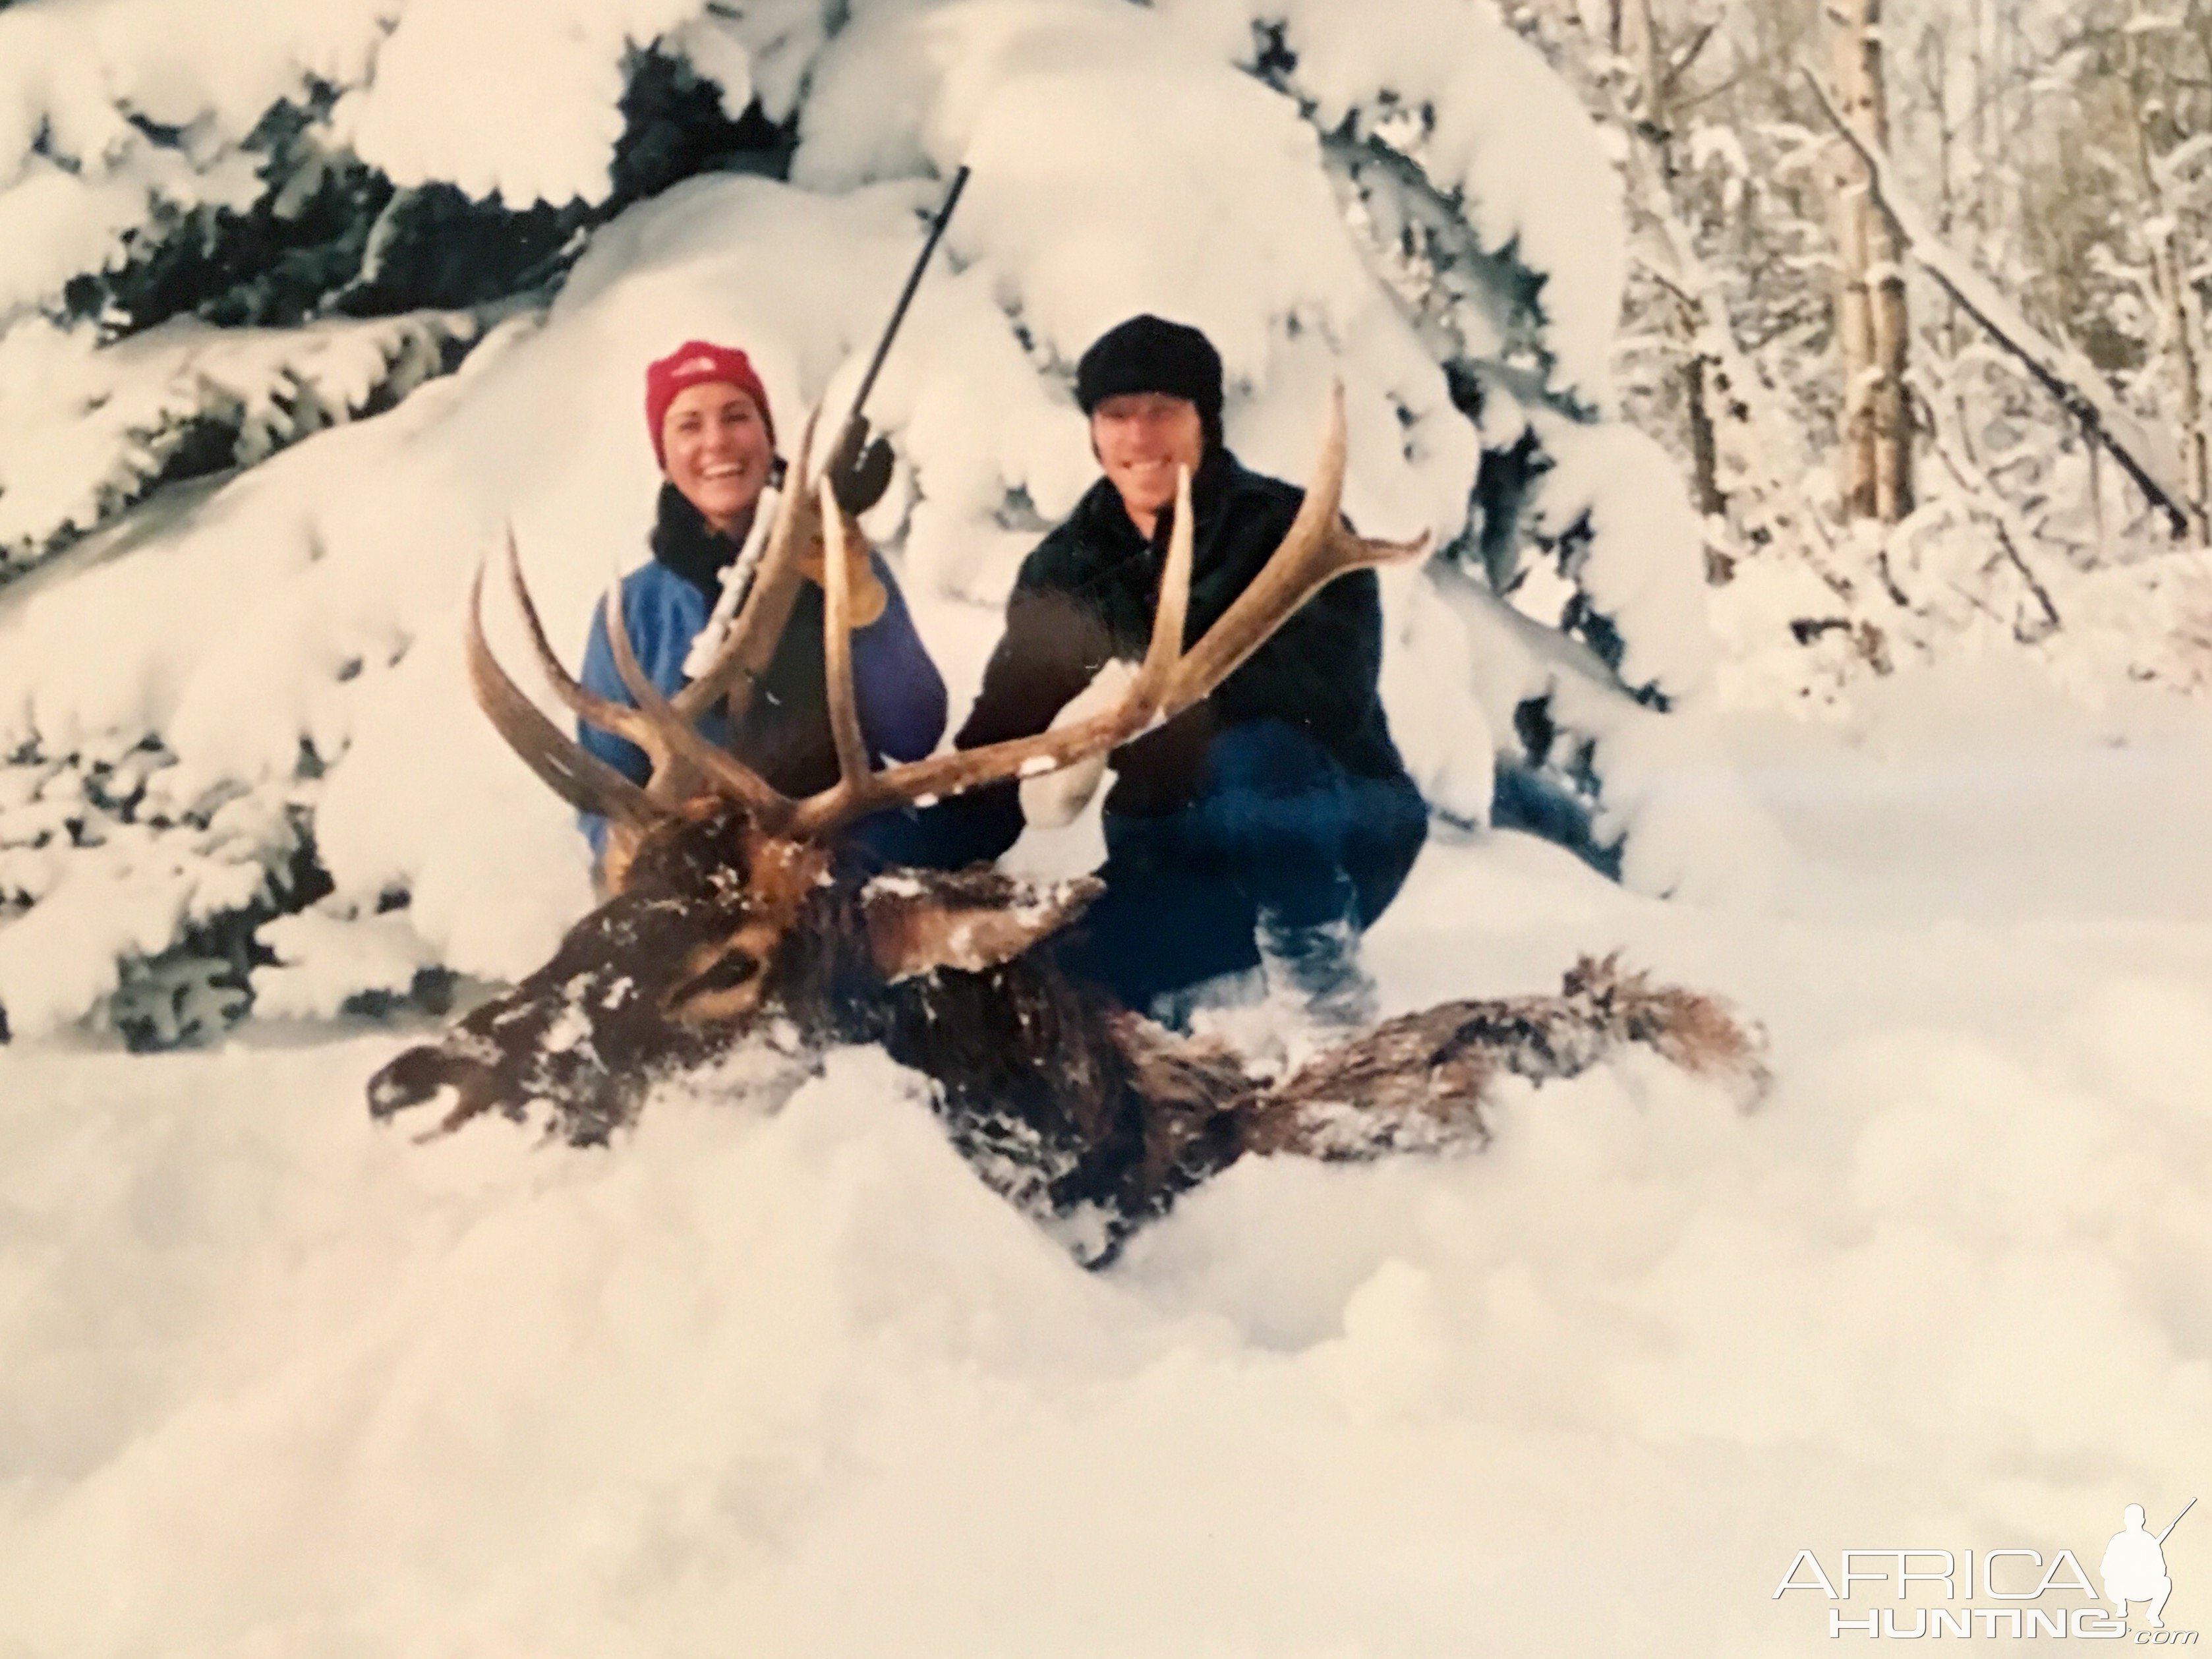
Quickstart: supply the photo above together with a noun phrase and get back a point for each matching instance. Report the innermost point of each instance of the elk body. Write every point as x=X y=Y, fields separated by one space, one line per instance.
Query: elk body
x=735 y=916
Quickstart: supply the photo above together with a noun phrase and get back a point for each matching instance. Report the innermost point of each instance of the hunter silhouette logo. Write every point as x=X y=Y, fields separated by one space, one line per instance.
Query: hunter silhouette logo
x=2025 y=1594
x=2134 y=1568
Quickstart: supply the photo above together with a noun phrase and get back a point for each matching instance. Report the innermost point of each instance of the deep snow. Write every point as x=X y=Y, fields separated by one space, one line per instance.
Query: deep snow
x=792 y=1382
x=789 y=1380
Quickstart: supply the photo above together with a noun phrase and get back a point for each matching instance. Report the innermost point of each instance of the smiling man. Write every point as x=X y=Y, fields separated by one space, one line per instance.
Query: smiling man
x=1266 y=826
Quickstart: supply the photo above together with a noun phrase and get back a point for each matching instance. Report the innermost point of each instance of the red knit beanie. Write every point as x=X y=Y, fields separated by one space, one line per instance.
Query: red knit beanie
x=696 y=363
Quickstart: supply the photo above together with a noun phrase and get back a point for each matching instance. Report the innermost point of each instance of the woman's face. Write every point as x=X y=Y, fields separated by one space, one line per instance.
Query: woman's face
x=718 y=451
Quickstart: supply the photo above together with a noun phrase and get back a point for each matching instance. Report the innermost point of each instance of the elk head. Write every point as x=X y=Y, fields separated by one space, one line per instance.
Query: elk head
x=730 y=912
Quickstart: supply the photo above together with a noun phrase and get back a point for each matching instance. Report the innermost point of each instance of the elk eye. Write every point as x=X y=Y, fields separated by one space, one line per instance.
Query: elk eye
x=726 y=974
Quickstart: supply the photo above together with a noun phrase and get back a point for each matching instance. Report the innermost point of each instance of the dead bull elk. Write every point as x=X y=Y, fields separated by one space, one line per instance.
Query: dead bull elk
x=730 y=921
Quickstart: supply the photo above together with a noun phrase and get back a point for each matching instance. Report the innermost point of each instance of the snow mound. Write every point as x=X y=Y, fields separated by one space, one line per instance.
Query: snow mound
x=331 y=957
x=116 y=114
x=1639 y=557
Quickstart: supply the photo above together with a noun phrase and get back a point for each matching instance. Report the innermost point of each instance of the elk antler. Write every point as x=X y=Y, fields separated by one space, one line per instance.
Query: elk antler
x=572 y=772
x=662 y=727
x=676 y=742
x=737 y=667
x=859 y=791
x=1316 y=549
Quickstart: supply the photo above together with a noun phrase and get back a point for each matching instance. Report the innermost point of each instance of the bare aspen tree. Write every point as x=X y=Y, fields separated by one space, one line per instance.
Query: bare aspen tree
x=1870 y=315
x=2182 y=320
x=1977 y=116
x=1640 y=42
x=2096 y=459
x=1636 y=37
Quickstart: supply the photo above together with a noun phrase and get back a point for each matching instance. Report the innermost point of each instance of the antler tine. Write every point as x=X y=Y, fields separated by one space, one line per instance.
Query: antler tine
x=1172 y=612
x=565 y=766
x=602 y=712
x=679 y=740
x=837 y=645
x=1317 y=550
x=760 y=620
x=859 y=791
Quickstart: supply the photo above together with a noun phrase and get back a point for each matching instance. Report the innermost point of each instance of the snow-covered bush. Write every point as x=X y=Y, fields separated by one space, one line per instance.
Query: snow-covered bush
x=1410 y=202
x=133 y=897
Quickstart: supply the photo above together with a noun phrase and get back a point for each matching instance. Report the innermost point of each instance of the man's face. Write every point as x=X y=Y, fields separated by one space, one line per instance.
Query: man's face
x=1140 y=437
x=718 y=451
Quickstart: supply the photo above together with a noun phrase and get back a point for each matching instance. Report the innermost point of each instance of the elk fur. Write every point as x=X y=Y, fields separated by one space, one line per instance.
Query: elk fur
x=1067 y=1104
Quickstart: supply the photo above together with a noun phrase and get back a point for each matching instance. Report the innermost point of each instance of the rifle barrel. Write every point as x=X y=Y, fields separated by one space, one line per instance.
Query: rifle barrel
x=905 y=299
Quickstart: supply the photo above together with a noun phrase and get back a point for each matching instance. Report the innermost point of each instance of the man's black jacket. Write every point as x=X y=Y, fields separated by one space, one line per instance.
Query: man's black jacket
x=1087 y=593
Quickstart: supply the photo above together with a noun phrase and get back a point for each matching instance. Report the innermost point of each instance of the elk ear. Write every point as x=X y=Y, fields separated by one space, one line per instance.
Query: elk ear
x=921 y=919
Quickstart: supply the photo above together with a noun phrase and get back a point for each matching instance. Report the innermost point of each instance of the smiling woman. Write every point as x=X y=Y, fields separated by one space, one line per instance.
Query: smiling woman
x=716 y=449
x=707 y=413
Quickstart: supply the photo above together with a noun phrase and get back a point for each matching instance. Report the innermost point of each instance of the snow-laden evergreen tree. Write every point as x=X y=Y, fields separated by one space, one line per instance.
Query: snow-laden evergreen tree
x=302 y=308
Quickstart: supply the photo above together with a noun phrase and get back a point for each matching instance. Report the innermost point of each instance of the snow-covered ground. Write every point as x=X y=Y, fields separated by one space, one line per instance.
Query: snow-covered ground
x=786 y=1379
x=277 y=1382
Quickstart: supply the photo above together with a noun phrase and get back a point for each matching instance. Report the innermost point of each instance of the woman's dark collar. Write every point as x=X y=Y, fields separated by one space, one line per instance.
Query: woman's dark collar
x=681 y=542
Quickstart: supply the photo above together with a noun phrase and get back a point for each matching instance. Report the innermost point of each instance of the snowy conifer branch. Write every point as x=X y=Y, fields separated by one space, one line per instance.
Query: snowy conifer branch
x=1457 y=294
x=2073 y=383
x=91 y=429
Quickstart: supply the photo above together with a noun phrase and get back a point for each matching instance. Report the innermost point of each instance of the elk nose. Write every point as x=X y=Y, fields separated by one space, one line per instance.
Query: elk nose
x=416 y=1077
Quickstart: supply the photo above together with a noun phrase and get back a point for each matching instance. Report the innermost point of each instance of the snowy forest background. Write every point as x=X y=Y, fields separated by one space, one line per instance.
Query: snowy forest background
x=1652 y=353
x=1824 y=585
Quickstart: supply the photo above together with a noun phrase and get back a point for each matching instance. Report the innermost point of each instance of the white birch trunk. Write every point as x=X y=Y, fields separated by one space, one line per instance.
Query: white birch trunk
x=1871 y=331
x=2170 y=282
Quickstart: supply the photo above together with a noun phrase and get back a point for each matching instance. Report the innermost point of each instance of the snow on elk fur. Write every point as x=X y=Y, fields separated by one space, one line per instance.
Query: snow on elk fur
x=730 y=921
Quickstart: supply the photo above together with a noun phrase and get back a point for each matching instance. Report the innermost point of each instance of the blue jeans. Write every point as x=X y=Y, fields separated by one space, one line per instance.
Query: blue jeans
x=1277 y=823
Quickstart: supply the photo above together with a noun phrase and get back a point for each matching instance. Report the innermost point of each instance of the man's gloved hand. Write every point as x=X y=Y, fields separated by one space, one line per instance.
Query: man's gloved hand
x=1053 y=798
x=858 y=470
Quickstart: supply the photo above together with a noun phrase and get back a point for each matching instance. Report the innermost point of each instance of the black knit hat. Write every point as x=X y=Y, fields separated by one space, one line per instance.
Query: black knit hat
x=1149 y=354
